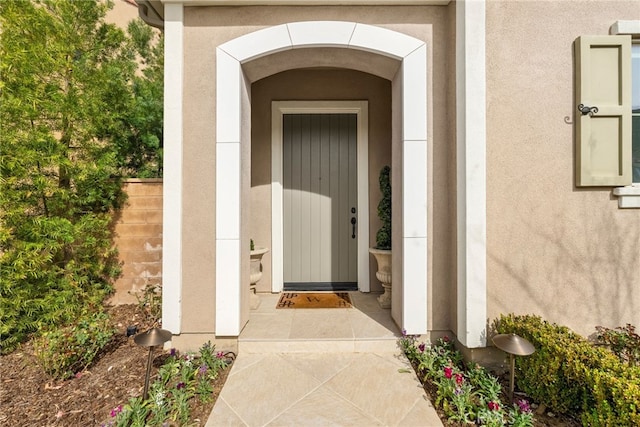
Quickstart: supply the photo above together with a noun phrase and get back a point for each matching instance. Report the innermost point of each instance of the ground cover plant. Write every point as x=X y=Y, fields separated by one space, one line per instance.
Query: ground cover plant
x=571 y=375
x=62 y=352
x=467 y=394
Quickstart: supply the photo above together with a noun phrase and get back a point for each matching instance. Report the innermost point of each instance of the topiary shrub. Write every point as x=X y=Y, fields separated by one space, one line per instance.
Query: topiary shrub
x=383 y=237
x=570 y=375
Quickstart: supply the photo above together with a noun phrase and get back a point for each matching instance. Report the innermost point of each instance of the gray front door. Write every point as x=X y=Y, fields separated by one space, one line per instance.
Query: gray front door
x=320 y=201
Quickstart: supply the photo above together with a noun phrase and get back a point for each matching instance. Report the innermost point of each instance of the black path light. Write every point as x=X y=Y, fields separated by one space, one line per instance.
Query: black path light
x=514 y=345
x=151 y=338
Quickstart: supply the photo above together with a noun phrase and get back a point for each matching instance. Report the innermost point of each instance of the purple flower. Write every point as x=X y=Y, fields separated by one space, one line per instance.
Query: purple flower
x=172 y=352
x=446 y=338
x=115 y=411
x=404 y=332
x=458 y=391
x=523 y=405
x=421 y=347
x=180 y=386
x=202 y=369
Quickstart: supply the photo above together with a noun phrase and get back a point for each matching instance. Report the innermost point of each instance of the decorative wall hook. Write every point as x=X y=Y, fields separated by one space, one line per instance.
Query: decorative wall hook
x=584 y=109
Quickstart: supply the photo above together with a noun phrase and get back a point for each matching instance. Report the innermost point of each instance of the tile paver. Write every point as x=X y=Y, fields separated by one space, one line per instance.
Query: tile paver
x=321 y=368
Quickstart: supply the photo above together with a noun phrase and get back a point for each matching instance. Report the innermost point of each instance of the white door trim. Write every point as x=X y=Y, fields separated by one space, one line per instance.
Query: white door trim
x=278 y=109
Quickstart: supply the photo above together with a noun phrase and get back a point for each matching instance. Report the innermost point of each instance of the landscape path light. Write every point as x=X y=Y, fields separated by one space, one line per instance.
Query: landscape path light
x=151 y=338
x=514 y=345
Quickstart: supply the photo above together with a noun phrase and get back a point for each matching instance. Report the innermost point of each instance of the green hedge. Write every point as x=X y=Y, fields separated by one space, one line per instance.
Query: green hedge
x=570 y=375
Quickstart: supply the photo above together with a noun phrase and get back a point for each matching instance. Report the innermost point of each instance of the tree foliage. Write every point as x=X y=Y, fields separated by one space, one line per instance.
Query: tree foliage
x=68 y=109
x=139 y=141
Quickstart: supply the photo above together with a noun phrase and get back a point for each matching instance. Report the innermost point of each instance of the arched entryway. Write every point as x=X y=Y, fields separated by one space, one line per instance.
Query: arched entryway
x=409 y=86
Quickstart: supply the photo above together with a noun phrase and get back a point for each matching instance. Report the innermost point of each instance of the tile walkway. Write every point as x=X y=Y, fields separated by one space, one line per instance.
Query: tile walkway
x=321 y=367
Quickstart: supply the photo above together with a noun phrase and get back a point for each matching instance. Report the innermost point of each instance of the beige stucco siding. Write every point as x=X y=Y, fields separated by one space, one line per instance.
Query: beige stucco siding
x=570 y=255
x=208 y=27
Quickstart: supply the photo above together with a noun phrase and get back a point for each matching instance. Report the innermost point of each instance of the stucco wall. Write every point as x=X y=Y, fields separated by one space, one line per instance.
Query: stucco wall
x=565 y=253
x=138 y=236
x=208 y=27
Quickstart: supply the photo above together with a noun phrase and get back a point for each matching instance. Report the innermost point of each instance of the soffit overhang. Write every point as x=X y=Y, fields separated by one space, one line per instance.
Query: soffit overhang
x=309 y=2
x=152 y=11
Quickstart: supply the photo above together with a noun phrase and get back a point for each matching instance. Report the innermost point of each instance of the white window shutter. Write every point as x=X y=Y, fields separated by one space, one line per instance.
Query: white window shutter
x=603 y=137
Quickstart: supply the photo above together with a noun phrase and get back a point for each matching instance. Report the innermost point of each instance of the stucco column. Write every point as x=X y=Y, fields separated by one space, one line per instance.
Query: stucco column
x=471 y=173
x=172 y=169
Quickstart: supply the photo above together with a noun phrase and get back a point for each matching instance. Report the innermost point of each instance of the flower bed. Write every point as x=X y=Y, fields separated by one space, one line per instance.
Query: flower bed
x=465 y=393
x=181 y=381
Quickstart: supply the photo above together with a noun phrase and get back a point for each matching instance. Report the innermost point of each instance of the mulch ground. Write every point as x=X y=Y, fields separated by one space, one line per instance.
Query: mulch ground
x=29 y=397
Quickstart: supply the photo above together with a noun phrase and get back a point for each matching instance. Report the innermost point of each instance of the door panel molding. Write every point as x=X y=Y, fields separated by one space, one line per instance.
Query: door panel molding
x=280 y=108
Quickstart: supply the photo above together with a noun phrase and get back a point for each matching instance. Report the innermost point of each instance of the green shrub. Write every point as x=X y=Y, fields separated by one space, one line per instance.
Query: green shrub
x=66 y=351
x=51 y=270
x=623 y=341
x=570 y=375
x=75 y=117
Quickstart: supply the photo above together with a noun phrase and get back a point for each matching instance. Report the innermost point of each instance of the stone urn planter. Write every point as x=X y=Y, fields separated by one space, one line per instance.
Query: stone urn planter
x=383 y=257
x=255 y=274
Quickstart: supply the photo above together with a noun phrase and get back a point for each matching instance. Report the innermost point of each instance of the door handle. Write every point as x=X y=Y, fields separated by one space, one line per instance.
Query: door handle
x=585 y=109
x=353 y=227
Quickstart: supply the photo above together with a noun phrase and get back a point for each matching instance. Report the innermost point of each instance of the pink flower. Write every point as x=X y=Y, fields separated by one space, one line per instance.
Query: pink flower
x=459 y=379
x=115 y=411
x=445 y=338
x=220 y=355
x=448 y=372
x=180 y=385
x=493 y=406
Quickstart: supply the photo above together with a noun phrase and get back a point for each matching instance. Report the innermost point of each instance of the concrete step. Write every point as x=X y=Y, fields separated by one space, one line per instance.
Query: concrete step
x=307 y=345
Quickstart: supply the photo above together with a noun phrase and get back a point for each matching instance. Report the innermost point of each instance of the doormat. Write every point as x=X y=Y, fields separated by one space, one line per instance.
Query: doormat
x=314 y=300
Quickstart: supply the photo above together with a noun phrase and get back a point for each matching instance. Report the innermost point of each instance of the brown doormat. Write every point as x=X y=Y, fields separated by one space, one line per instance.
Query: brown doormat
x=314 y=300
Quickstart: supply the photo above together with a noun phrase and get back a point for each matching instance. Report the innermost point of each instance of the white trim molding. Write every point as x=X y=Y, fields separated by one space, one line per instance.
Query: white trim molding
x=471 y=165
x=626 y=27
x=628 y=196
x=172 y=169
x=231 y=90
x=278 y=109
